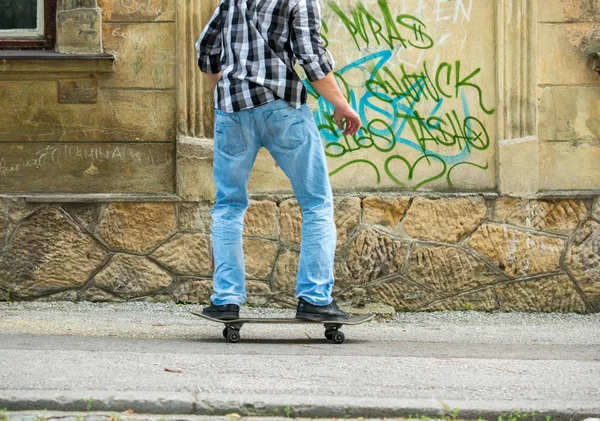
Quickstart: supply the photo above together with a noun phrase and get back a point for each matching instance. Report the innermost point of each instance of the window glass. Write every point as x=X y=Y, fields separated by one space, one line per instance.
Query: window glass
x=21 y=18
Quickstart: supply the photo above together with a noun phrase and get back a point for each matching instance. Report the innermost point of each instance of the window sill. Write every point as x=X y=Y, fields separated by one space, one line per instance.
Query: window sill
x=50 y=61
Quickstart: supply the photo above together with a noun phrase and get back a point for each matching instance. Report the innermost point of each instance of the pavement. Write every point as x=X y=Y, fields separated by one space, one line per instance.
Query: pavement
x=156 y=358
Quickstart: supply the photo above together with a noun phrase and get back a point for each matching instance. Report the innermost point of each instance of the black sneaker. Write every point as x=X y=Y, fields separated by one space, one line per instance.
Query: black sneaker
x=224 y=312
x=331 y=312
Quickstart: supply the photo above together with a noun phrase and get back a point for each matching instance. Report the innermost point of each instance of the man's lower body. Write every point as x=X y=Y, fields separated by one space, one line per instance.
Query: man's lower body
x=293 y=140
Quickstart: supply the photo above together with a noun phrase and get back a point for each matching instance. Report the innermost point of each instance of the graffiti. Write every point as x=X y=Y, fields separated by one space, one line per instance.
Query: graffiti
x=445 y=10
x=418 y=126
x=446 y=83
x=58 y=154
x=405 y=30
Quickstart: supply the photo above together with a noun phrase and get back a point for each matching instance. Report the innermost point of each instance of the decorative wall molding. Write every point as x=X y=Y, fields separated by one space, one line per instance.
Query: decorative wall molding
x=516 y=47
x=193 y=104
x=516 y=65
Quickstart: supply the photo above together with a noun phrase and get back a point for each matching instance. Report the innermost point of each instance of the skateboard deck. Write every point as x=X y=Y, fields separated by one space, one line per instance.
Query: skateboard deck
x=332 y=328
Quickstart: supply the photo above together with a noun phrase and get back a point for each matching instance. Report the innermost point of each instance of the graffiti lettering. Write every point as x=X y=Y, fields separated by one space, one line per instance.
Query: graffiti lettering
x=405 y=30
x=423 y=111
x=443 y=84
x=443 y=10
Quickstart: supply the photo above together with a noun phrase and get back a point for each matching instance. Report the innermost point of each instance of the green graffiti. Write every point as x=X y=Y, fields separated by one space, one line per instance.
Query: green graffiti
x=366 y=29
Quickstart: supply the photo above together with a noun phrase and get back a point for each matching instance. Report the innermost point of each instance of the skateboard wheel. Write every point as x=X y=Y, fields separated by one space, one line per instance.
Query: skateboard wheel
x=225 y=331
x=329 y=334
x=338 y=337
x=233 y=336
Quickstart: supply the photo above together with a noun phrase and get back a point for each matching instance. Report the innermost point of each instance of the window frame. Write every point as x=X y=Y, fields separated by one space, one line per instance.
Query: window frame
x=47 y=42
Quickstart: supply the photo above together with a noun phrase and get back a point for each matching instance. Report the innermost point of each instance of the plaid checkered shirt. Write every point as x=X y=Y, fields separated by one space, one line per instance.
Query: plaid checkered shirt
x=256 y=44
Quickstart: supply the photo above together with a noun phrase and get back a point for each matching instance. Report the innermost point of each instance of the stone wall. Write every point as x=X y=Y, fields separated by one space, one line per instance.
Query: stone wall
x=407 y=252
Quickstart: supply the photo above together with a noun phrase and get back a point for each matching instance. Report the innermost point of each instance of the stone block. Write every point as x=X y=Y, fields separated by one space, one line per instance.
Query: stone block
x=596 y=209
x=518 y=166
x=75 y=4
x=266 y=176
x=547 y=294
x=145 y=55
x=259 y=256
x=341 y=274
x=97 y=295
x=562 y=216
x=482 y=300
x=18 y=209
x=583 y=260
x=373 y=255
x=195 y=216
x=86 y=168
x=187 y=254
x=134 y=116
x=128 y=276
x=69 y=295
x=569 y=166
x=564 y=62
x=515 y=252
x=384 y=211
x=79 y=31
x=193 y=291
x=4 y=225
x=137 y=10
x=286 y=270
x=448 y=270
x=48 y=252
x=446 y=220
x=569 y=113
x=383 y=311
x=355 y=296
x=346 y=213
x=259 y=293
x=137 y=227
x=85 y=213
x=119 y=115
x=261 y=220
x=195 y=169
x=83 y=91
x=291 y=221
x=402 y=295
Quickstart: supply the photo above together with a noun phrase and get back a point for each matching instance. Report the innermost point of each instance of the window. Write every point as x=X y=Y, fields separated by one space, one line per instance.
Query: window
x=27 y=24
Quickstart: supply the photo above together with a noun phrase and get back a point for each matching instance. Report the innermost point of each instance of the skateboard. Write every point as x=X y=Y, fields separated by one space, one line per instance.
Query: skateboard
x=332 y=328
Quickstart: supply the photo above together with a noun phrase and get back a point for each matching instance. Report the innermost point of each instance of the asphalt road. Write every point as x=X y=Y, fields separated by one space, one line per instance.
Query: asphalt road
x=158 y=358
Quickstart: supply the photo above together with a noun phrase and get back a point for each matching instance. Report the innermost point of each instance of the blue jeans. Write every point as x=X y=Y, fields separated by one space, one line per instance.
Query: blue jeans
x=292 y=138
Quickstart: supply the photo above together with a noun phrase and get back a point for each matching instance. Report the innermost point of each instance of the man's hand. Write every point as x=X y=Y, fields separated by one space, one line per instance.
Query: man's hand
x=329 y=89
x=213 y=79
x=345 y=113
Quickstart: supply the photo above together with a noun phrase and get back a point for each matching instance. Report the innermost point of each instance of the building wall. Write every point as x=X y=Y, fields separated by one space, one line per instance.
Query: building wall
x=475 y=184
x=422 y=75
x=568 y=95
x=69 y=126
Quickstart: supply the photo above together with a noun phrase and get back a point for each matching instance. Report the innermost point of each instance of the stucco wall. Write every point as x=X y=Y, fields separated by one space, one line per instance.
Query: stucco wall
x=422 y=76
x=72 y=126
x=569 y=95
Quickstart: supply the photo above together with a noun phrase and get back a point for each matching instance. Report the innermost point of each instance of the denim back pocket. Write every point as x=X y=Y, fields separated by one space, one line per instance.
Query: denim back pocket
x=287 y=127
x=229 y=136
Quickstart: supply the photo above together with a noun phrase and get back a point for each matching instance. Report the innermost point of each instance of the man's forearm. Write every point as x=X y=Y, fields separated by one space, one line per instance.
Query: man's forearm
x=213 y=79
x=329 y=89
